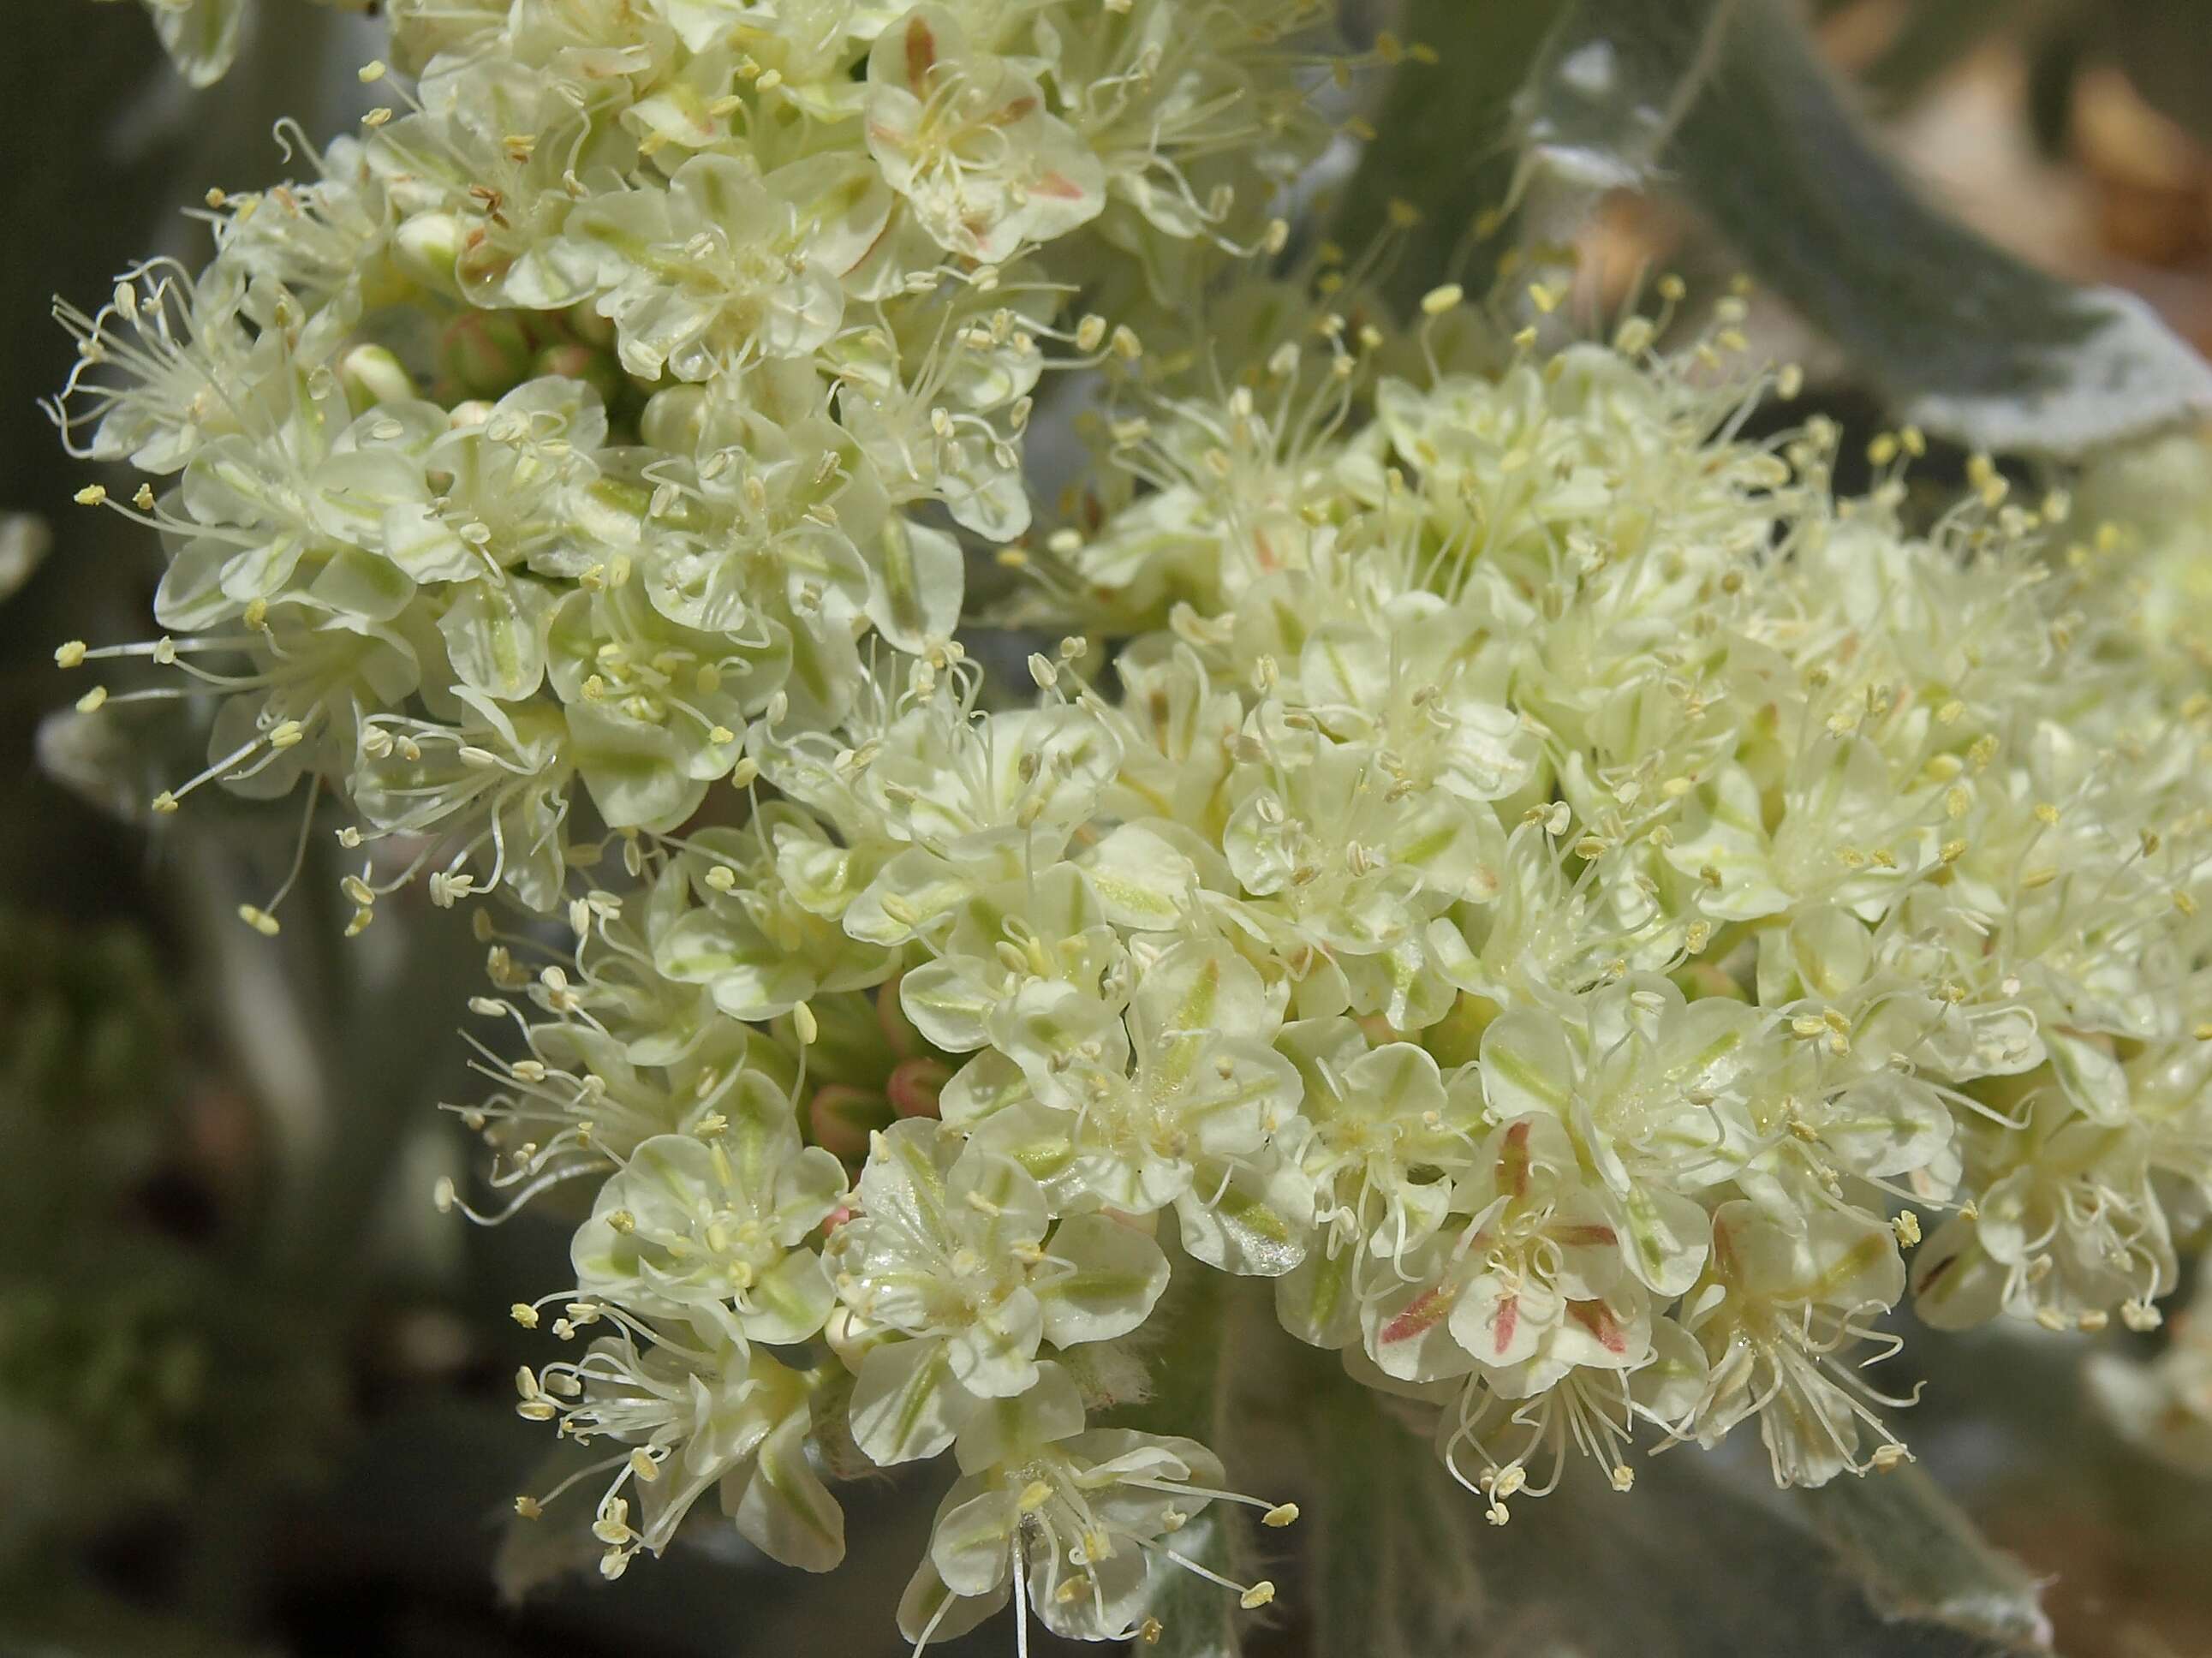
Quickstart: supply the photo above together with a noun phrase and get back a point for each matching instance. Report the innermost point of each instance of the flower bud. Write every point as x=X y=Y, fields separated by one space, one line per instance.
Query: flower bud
x=850 y=1336
x=426 y=246
x=842 y=1117
x=485 y=353
x=915 y=1085
x=848 y=1044
x=596 y=368
x=371 y=375
x=585 y=322
x=1705 y=979
x=1457 y=1037
x=899 y=1031
x=673 y=419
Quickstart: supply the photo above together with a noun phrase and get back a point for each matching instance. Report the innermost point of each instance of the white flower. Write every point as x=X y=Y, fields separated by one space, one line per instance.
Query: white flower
x=967 y=139
x=1534 y=1285
x=1530 y=872
x=2067 y=1226
x=1783 y=1298
x=712 y=1229
x=1650 y=1088
x=756 y=938
x=1388 y=1140
x=1069 y=1522
x=699 y=1418
x=724 y=264
x=950 y=1251
x=1172 y=1106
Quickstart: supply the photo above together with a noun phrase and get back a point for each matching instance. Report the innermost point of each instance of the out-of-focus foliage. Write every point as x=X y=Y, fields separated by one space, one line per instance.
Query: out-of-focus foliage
x=1723 y=103
x=203 y=37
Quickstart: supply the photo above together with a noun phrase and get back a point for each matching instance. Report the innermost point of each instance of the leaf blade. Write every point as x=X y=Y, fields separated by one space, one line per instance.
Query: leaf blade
x=1726 y=104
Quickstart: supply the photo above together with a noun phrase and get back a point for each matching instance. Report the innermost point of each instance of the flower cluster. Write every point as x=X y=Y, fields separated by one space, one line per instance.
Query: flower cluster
x=1571 y=903
x=1567 y=911
x=1679 y=882
x=634 y=376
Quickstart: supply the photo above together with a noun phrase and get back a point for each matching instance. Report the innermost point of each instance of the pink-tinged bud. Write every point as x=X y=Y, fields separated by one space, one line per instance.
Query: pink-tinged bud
x=842 y=1118
x=899 y=1031
x=485 y=353
x=915 y=1085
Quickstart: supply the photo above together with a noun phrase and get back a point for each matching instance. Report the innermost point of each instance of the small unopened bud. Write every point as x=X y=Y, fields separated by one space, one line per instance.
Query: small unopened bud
x=426 y=246
x=915 y=1085
x=841 y=1118
x=372 y=375
x=486 y=353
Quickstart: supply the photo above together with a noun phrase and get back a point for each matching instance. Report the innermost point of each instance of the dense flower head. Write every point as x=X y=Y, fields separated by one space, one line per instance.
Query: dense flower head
x=635 y=374
x=1534 y=891
x=1596 y=920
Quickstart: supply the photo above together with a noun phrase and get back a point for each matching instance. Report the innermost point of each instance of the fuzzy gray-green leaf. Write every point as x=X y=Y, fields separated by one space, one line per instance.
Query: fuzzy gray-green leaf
x=1724 y=103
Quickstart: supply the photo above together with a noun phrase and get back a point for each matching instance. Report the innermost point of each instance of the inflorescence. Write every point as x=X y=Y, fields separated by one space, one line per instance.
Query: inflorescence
x=1593 y=919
